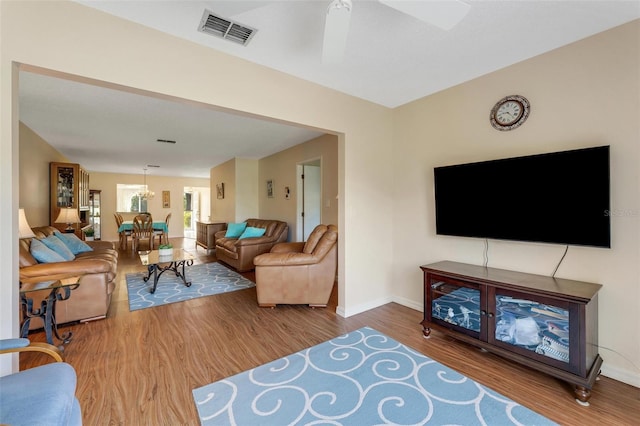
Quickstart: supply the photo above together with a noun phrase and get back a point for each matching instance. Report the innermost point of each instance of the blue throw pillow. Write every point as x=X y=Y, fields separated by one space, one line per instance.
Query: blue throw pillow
x=55 y=244
x=252 y=232
x=234 y=230
x=75 y=244
x=44 y=254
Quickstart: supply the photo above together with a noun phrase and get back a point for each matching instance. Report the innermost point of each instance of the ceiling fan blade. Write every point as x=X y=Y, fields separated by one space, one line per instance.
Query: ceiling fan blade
x=444 y=14
x=336 y=30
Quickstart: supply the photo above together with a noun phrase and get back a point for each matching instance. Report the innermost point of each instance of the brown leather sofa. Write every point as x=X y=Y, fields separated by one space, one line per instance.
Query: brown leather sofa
x=299 y=273
x=240 y=253
x=97 y=270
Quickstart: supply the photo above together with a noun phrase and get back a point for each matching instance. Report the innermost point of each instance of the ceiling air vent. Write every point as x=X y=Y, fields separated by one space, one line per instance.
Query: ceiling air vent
x=224 y=28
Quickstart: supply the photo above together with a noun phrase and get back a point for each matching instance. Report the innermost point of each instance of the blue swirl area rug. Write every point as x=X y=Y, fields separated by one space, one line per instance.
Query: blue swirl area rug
x=361 y=378
x=206 y=280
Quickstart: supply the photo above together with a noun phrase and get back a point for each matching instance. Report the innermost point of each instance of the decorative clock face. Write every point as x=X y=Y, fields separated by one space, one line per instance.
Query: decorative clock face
x=510 y=112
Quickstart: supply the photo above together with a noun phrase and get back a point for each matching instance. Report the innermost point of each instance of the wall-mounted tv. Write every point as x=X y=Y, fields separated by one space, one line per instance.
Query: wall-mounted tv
x=560 y=197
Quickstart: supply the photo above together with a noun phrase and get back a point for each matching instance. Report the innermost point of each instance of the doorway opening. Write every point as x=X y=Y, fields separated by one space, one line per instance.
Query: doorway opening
x=196 y=204
x=309 y=177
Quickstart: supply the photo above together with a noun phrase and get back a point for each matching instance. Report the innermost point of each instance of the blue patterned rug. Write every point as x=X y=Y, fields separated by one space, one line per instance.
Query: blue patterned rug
x=206 y=280
x=361 y=378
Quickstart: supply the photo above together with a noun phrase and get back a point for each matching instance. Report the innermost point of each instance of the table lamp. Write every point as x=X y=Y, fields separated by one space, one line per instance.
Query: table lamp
x=24 y=230
x=68 y=215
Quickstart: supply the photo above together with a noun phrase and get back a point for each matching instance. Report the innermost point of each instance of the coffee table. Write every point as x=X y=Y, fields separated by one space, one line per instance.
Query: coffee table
x=178 y=259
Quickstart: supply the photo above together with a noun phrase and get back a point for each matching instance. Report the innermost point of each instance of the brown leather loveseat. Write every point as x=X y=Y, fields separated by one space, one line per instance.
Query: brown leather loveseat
x=239 y=253
x=97 y=270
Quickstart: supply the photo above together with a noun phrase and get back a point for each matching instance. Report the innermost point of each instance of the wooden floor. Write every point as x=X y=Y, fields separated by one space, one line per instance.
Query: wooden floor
x=139 y=368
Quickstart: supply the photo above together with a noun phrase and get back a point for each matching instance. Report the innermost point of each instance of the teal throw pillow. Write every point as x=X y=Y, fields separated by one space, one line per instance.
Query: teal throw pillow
x=234 y=230
x=55 y=244
x=44 y=254
x=252 y=232
x=75 y=244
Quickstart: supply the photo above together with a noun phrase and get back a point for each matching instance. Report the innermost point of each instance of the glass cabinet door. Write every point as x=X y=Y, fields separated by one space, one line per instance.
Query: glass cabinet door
x=540 y=326
x=456 y=305
x=94 y=212
x=65 y=181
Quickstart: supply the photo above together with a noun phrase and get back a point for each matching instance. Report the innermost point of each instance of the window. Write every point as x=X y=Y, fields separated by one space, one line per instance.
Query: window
x=128 y=200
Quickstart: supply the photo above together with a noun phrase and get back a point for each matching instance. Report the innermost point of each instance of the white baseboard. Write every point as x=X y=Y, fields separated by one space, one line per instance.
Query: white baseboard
x=377 y=303
x=362 y=308
x=622 y=375
x=417 y=306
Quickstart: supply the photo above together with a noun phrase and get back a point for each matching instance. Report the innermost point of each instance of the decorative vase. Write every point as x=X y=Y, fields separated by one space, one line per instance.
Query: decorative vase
x=88 y=238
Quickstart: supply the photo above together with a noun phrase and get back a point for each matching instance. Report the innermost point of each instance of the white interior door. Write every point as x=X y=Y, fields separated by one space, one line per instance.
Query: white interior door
x=310 y=205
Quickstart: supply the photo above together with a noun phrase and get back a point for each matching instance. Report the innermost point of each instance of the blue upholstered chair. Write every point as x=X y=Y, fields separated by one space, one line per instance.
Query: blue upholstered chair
x=43 y=395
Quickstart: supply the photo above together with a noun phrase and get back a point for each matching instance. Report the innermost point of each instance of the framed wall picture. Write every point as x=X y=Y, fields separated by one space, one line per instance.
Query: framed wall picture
x=166 y=199
x=270 y=188
x=220 y=190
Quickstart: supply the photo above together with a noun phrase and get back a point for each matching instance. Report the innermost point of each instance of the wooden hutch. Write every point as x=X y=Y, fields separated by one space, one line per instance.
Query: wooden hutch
x=69 y=188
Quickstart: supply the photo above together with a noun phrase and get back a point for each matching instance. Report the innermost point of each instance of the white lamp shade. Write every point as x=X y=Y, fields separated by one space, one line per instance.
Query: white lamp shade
x=68 y=215
x=24 y=230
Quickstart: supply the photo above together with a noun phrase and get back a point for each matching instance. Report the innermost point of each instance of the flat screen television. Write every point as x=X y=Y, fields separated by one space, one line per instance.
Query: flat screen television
x=560 y=197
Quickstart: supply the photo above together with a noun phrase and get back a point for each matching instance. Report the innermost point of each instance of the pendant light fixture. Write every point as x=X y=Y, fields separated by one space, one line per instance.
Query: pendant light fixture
x=146 y=194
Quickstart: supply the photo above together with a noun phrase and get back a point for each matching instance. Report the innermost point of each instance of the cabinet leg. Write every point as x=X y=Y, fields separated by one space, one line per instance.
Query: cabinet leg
x=427 y=332
x=582 y=395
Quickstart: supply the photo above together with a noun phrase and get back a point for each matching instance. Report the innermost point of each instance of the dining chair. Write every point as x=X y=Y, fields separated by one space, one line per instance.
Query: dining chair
x=123 y=235
x=160 y=233
x=142 y=229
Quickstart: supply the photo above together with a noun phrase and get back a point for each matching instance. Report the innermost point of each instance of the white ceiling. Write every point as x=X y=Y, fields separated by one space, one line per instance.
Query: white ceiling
x=390 y=59
x=107 y=130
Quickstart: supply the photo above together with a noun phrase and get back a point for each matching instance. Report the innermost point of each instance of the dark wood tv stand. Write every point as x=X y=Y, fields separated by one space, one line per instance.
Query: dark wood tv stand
x=549 y=324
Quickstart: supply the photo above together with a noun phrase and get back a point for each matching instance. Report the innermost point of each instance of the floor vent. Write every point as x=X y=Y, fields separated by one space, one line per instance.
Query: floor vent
x=226 y=29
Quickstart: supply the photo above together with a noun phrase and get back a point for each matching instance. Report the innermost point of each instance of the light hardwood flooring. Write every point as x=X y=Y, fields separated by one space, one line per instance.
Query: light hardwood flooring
x=139 y=368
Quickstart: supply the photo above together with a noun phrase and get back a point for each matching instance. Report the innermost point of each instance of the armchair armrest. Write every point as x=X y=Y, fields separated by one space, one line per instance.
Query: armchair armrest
x=282 y=259
x=24 y=345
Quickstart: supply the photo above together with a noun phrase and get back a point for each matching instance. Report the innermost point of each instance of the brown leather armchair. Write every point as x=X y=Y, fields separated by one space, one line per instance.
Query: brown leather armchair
x=299 y=273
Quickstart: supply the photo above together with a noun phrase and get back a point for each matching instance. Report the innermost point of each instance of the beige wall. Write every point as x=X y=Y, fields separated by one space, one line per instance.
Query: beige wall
x=240 y=200
x=582 y=95
x=383 y=175
x=107 y=182
x=245 y=184
x=246 y=189
x=35 y=156
x=224 y=210
x=281 y=168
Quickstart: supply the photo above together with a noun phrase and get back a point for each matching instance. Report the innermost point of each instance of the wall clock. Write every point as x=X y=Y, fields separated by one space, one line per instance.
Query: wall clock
x=510 y=112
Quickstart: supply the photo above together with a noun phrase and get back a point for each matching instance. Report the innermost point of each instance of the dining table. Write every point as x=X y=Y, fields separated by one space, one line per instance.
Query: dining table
x=160 y=225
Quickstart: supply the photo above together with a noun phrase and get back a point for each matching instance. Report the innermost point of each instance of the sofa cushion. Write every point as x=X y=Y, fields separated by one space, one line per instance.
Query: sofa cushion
x=75 y=244
x=44 y=254
x=56 y=244
x=250 y=232
x=228 y=243
x=234 y=230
